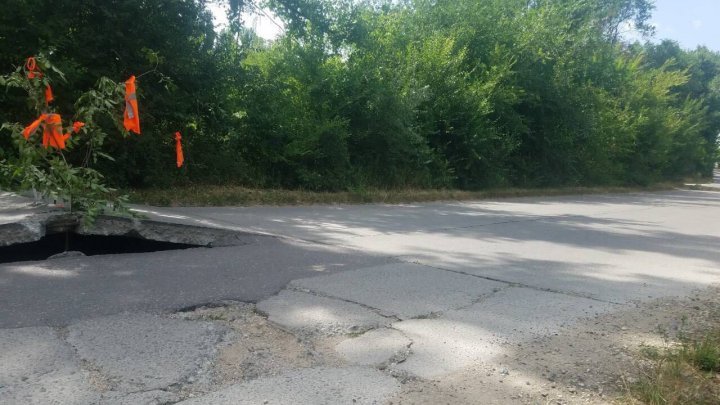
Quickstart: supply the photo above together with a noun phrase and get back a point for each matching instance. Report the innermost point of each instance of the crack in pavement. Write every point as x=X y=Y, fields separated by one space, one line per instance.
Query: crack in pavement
x=96 y=377
x=516 y=284
x=303 y=290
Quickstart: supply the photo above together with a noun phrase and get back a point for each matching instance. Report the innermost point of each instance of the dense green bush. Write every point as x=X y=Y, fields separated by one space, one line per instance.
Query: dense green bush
x=371 y=93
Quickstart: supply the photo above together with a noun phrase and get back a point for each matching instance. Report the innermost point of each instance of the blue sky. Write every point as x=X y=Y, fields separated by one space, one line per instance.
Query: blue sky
x=690 y=22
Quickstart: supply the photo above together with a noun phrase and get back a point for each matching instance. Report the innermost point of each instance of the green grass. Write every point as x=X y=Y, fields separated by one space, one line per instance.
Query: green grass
x=209 y=195
x=683 y=374
x=705 y=355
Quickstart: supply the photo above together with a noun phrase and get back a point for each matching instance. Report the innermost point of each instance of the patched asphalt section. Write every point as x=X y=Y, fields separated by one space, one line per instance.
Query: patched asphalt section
x=403 y=290
x=377 y=348
x=480 y=332
x=37 y=367
x=317 y=386
x=308 y=314
x=145 y=352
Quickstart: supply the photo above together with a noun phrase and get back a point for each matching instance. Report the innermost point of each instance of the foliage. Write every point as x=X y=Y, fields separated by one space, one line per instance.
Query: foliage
x=64 y=173
x=362 y=94
x=686 y=373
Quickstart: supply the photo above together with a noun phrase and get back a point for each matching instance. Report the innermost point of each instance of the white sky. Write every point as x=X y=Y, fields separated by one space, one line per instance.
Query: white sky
x=686 y=21
x=264 y=26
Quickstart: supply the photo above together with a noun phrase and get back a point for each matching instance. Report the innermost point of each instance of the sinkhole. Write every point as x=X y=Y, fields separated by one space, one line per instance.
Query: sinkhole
x=59 y=235
x=88 y=245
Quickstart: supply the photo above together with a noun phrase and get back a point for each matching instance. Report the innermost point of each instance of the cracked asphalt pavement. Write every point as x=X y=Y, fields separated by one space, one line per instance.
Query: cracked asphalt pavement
x=374 y=296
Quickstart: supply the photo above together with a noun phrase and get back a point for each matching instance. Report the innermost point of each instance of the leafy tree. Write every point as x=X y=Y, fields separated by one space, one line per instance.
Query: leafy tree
x=380 y=93
x=48 y=168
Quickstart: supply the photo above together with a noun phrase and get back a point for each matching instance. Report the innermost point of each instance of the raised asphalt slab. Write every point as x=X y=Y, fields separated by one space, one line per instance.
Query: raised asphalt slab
x=438 y=287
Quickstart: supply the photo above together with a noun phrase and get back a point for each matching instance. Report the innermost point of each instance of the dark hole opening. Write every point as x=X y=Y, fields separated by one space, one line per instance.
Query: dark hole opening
x=90 y=245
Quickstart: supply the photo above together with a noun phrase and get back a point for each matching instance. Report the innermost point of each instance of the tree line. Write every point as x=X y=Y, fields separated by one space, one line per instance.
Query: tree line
x=378 y=93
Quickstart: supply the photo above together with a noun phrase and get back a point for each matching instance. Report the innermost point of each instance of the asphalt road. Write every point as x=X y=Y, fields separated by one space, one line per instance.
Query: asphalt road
x=57 y=292
x=613 y=248
x=456 y=279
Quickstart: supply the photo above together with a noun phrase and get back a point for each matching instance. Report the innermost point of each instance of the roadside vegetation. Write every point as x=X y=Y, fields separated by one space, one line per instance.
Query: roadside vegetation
x=359 y=96
x=212 y=195
x=686 y=372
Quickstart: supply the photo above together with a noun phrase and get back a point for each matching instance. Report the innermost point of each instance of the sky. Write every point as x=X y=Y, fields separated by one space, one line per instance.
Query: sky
x=266 y=25
x=689 y=22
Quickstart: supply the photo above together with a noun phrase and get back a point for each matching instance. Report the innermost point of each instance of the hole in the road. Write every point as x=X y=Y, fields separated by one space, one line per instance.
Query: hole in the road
x=69 y=243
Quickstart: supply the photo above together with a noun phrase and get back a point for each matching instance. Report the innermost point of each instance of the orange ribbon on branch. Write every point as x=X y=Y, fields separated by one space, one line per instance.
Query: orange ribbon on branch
x=52 y=131
x=33 y=71
x=180 y=158
x=48 y=95
x=77 y=125
x=52 y=135
x=31 y=68
x=30 y=129
x=131 y=119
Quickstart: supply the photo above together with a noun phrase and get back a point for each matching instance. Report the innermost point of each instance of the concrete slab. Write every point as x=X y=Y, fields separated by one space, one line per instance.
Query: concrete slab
x=145 y=352
x=37 y=367
x=478 y=334
x=318 y=386
x=375 y=348
x=165 y=231
x=20 y=232
x=404 y=290
x=24 y=220
x=309 y=314
x=15 y=208
x=441 y=346
x=522 y=314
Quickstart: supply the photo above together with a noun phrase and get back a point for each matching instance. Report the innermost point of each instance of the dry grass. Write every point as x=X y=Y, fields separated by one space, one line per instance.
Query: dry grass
x=683 y=373
x=208 y=195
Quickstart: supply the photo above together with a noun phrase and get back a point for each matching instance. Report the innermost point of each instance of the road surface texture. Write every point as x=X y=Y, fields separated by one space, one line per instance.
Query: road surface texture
x=512 y=301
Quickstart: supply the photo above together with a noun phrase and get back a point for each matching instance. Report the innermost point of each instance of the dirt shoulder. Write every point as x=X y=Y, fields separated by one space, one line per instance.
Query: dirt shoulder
x=593 y=362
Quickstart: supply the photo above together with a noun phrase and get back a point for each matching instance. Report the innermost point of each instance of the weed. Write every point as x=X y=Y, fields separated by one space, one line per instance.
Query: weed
x=705 y=354
x=650 y=352
x=680 y=374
